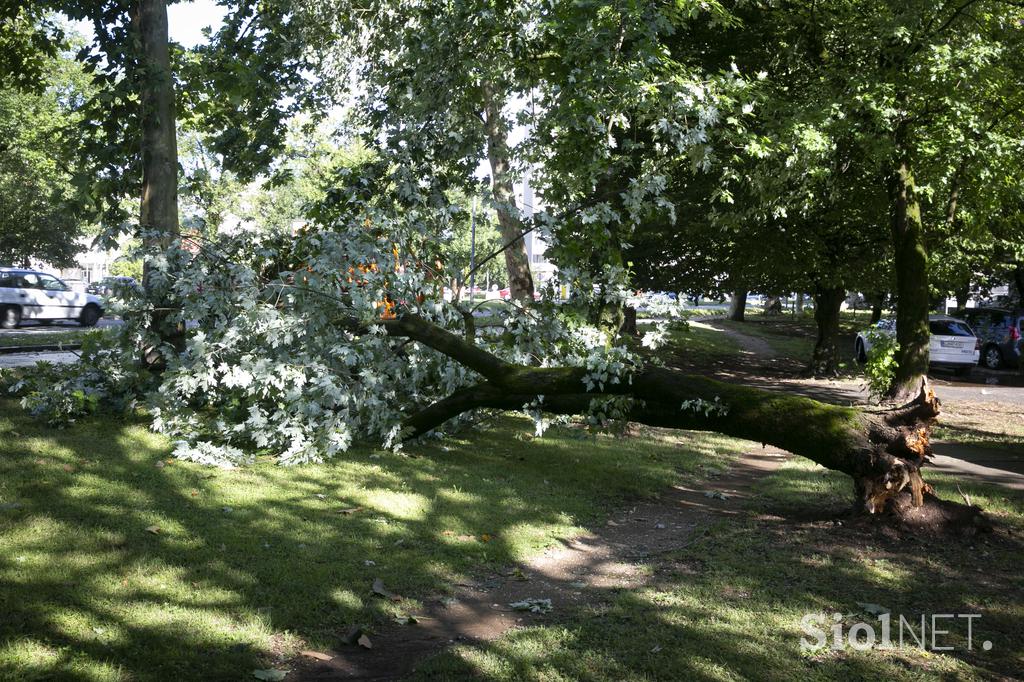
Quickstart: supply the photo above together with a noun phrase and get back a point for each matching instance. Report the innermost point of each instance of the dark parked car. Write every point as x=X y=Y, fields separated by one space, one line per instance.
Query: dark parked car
x=108 y=285
x=1000 y=332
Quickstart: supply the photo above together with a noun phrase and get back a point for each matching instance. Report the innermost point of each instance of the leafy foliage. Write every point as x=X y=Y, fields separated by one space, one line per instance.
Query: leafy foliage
x=40 y=211
x=880 y=368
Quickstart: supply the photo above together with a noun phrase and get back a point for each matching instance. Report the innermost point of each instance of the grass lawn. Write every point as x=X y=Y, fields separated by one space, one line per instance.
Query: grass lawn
x=792 y=336
x=729 y=606
x=694 y=345
x=117 y=563
x=985 y=424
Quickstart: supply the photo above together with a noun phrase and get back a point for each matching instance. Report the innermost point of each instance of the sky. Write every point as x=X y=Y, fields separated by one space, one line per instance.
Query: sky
x=186 y=20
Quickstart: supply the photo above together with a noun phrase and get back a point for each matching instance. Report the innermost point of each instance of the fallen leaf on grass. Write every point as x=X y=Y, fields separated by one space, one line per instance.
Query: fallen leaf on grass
x=381 y=591
x=160 y=465
x=406 y=620
x=155 y=530
x=270 y=675
x=353 y=510
x=318 y=655
x=364 y=642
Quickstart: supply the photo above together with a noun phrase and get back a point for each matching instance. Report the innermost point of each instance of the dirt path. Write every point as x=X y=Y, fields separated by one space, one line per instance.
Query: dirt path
x=749 y=344
x=582 y=571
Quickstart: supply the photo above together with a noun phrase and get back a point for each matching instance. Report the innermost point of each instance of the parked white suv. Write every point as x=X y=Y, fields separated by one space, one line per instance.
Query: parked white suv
x=33 y=295
x=953 y=343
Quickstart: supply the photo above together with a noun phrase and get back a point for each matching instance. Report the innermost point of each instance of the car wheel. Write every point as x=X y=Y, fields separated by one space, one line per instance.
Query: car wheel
x=90 y=316
x=992 y=358
x=10 y=317
x=862 y=356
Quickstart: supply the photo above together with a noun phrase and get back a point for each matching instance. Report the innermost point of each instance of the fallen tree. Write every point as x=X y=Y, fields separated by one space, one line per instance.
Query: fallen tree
x=301 y=364
x=882 y=450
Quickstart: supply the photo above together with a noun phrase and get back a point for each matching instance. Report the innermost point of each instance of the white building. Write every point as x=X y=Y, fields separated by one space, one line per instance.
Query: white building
x=91 y=264
x=541 y=268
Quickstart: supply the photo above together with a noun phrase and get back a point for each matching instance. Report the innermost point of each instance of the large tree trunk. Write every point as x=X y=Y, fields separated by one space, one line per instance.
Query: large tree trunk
x=737 y=306
x=911 y=264
x=510 y=226
x=799 y=307
x=828 y=302
x=882 y=451
x=158 y=209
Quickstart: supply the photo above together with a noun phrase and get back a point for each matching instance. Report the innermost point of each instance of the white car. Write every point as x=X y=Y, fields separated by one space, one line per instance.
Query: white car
x=33 y=295
x=953 y=343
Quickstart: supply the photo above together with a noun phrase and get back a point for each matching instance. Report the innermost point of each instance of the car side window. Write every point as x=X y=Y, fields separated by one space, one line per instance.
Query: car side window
x=6 y=281
x=51 y=283
x=27 y=281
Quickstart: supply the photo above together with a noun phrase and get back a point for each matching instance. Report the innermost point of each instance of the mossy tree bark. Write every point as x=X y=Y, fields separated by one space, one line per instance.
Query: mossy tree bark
x=911 y=266
x=882 y=451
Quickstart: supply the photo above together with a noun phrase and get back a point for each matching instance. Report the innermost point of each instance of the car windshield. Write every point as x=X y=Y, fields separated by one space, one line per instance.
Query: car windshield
x=949 y=328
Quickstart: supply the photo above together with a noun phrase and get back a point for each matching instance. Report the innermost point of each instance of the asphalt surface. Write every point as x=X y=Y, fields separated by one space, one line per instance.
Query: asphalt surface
x=29 y=328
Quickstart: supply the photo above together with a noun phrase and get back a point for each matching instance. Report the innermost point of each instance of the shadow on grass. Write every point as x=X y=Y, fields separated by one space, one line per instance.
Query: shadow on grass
x=112 y=567
x=730 y=605
x=117 y=563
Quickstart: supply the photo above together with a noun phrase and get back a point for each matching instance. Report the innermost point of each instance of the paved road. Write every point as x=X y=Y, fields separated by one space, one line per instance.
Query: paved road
x=984 y=465
x=29 y=328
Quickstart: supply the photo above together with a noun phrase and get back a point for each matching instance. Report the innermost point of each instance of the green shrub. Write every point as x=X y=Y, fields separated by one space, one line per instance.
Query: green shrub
x=880 y=369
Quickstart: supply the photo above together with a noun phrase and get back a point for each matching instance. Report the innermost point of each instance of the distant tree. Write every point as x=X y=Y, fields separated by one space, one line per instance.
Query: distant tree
x=41 y=217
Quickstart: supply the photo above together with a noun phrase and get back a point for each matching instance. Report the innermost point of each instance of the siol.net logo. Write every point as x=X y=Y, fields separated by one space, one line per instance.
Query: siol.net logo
x=935 y=632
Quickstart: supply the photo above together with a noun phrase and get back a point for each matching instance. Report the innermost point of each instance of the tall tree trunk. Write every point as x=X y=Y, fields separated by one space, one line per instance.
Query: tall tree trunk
x=963 y=294
x=828 y=302
x=738 y=305
x=158 y=209
x=877 y=303
x=911 y=264
x=510 y=227
x=799 y=304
